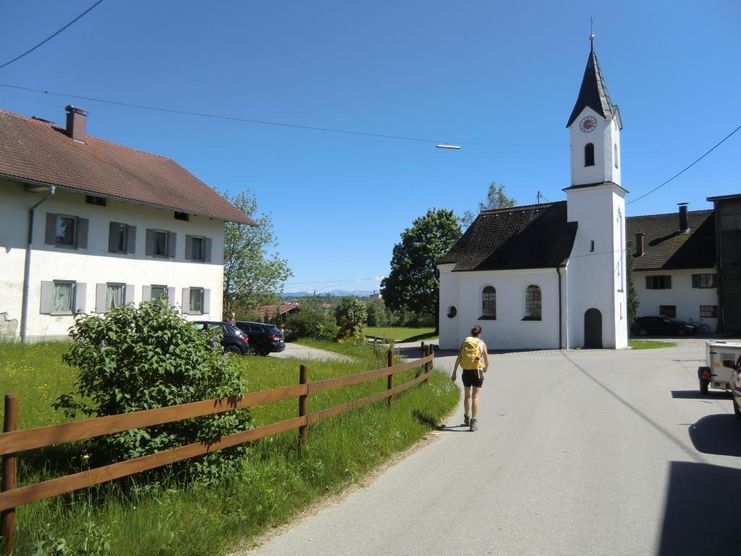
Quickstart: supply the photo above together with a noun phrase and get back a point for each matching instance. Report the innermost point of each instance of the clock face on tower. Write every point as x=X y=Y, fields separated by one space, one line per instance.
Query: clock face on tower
x=588 y=124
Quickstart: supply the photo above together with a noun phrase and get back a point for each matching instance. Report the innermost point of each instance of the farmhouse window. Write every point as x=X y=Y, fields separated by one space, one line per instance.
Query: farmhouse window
x=160 y=243
x=704 y=280
x=708 y=311
x=198 y=248
x=668 y=311
x=196 y=301
x=62 y=297
x=661 y=282
x=532 y=303
x=66 y=231
x=121 y=238
x=111 y=295
x=489 y=303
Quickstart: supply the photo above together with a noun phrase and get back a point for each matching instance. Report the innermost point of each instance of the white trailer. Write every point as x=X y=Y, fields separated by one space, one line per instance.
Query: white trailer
x=713 y=373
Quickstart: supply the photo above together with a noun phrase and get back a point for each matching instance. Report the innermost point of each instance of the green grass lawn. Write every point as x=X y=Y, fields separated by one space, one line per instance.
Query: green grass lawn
x=400 y=334
x=276 y=482
x=649 y=344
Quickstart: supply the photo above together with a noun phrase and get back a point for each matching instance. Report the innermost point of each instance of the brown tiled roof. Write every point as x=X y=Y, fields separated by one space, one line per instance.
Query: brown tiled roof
x=272 y=310
x=666 y=248
x=38 y=152
x=534 y=236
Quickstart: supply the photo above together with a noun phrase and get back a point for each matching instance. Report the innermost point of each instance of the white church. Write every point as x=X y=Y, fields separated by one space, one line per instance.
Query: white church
x=549 y=276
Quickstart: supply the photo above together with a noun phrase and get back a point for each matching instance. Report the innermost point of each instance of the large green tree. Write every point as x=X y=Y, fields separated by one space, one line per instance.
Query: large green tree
x=495 y=198
x=251 y=275
x=414 y=281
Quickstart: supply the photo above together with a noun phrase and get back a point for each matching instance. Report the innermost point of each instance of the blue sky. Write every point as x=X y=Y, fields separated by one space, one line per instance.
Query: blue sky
x=498 y=78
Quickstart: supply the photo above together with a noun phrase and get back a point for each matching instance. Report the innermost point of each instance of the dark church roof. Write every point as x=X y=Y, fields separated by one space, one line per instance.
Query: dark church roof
x=668 y=248
x=534 y=236
x=593 y=92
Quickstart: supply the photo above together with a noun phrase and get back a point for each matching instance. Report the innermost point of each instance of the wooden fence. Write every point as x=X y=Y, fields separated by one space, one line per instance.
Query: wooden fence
x=13 y=441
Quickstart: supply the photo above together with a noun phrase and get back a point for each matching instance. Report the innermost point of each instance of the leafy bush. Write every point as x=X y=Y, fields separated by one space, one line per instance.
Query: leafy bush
x=312 y=321
x=351 y=315
x=132 y=359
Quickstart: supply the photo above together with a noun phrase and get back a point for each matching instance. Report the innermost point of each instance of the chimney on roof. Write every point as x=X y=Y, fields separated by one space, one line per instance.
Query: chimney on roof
x=76 y=119
x=639 y=244
x=683 y=224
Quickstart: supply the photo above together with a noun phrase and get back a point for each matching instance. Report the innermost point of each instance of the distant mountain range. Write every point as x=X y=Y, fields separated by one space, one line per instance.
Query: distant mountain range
x=331 y=293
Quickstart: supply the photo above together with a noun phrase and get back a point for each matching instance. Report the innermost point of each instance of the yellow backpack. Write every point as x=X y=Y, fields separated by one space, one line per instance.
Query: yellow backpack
x=470 y=354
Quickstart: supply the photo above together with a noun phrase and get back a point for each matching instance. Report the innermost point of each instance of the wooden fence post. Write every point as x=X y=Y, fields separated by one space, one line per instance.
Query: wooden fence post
x=303 y=431
x=10 y=474
x=428 y=366
x=390 y=377
x=422 y=349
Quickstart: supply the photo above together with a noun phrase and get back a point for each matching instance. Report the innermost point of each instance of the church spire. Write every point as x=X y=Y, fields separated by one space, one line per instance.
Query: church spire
x=593 y=92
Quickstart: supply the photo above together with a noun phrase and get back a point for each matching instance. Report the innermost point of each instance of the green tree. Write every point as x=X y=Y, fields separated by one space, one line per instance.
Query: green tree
x=136 y=358
x=351 y=315
x=495 y=198
x=413 y=284
x=312 y=321
x=251 y=276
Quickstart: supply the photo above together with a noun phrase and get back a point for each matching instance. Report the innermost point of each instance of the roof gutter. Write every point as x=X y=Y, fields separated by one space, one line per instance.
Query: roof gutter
x=27 y=265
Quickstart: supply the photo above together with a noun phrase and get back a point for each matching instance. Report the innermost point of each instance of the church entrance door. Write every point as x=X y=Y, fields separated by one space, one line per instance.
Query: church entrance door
x=593 y=329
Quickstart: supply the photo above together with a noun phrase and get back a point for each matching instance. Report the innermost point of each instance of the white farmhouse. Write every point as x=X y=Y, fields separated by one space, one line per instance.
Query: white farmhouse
x=86 y=225
x=549 y=275
x=687 y=264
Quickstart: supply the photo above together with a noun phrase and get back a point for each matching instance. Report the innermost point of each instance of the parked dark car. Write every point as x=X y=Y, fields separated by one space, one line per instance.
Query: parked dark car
x=233 y=340
x=661 y=326
x=264 y=337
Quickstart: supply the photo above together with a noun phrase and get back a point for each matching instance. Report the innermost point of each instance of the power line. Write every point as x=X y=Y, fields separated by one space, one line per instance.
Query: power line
x=718 y=144
x=47 y=39
x=266 y=122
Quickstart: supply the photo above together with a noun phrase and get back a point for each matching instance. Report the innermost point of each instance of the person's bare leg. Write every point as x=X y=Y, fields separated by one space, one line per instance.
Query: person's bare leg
x=467 y=402
x=475 y=402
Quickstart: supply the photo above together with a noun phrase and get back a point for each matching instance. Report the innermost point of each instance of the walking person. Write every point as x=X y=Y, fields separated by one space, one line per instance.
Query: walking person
x=473 y=358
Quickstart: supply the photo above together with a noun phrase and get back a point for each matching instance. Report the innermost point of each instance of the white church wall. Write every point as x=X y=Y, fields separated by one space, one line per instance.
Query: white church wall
x=596 y=270
x=604 y=137
x=448 y=300
x=686 y=299
x=13 y=234
x=508 y=330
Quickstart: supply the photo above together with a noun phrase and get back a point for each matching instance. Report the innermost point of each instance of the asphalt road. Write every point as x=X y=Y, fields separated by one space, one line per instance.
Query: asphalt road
x=578 y=452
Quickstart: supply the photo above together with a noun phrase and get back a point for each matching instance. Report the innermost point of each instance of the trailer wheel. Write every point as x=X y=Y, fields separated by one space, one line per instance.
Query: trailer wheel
x=704 y=386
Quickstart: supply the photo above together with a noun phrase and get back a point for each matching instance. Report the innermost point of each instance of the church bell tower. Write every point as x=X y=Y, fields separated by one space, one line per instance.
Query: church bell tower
x=597 y=300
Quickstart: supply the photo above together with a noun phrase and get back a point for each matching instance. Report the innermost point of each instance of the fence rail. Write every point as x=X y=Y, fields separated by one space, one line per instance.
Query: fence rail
x=14 y=441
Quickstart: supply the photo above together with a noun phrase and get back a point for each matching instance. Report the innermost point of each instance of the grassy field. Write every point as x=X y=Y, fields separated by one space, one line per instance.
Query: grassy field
x=276 y=481
x=649 y=344
x=399 y=334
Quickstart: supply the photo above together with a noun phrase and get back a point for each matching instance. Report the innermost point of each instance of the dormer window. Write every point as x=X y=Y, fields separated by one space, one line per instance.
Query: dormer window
x=589 y=154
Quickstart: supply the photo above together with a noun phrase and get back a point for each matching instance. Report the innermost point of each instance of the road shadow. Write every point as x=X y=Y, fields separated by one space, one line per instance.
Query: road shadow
x=717 y=434
x=701 y=510
x=453 y=428
x=697 y=395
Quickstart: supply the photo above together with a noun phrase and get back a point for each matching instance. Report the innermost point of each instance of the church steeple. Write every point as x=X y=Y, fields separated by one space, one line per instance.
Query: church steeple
x=594 y=127
x=593 y=92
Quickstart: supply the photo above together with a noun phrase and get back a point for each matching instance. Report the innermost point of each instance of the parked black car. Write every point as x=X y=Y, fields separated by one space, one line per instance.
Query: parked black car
x=661 y=326
x=264 y=337
x=233 y=340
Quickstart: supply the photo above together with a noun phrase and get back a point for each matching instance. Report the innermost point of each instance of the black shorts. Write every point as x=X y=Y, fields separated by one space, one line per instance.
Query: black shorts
x=472 y=378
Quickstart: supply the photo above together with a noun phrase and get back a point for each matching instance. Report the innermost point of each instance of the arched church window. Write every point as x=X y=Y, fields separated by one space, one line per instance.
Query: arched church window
x=489 y=303
x=589 y=154
x=532 y=303
x=617 y=164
